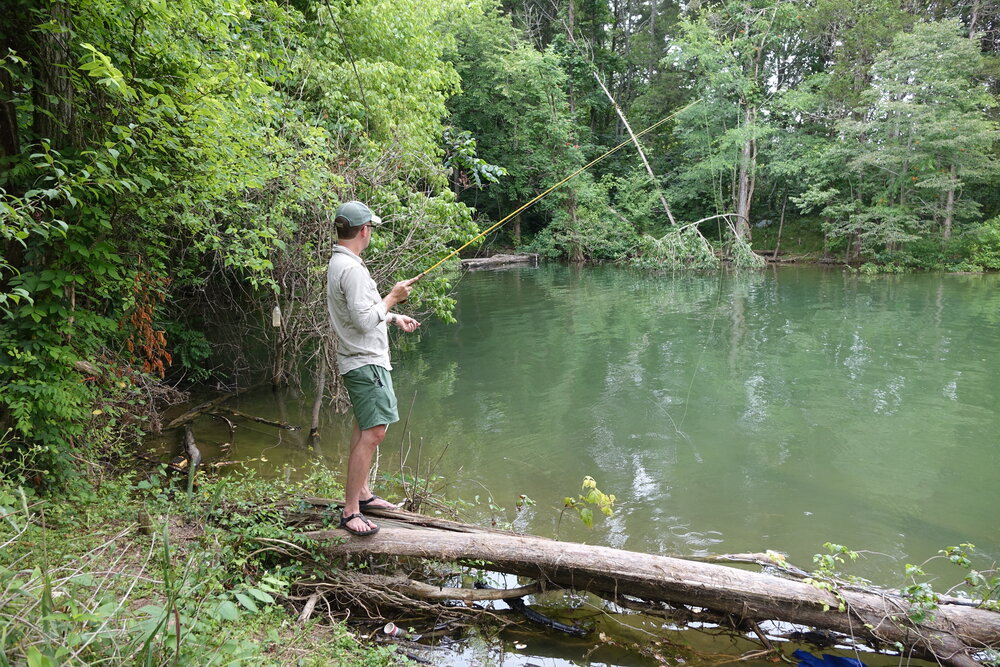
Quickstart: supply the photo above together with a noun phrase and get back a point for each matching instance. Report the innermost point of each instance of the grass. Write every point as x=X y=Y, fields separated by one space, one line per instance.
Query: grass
x=131 y=571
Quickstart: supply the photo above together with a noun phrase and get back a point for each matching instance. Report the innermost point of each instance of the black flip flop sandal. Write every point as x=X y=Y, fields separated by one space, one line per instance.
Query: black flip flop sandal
x=345 y=519
x=366 y=503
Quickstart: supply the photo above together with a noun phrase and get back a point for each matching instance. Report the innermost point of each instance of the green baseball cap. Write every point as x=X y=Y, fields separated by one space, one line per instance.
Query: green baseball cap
x=355 y=214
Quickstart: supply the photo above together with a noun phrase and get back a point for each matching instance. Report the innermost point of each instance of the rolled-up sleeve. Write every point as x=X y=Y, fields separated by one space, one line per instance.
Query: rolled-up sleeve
x=364 y=305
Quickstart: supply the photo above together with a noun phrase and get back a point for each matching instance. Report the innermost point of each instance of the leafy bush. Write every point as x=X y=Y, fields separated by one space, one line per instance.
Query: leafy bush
x=43 y=404
x=584 y=227
x=984 y=247
x=184 y=155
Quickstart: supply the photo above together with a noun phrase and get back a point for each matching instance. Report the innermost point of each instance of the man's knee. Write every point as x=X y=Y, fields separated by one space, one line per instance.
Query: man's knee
x=374 y=435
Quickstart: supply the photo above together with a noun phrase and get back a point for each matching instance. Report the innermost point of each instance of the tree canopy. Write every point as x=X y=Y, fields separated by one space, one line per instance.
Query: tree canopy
x=168 y=169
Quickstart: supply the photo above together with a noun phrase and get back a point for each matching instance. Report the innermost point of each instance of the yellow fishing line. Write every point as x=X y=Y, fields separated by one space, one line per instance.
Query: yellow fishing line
x=568 y=178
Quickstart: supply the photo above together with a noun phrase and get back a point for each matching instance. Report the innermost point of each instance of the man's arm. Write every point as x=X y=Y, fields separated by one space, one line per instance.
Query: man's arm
x=363 y=307
x=404 y=322
x=399 y=293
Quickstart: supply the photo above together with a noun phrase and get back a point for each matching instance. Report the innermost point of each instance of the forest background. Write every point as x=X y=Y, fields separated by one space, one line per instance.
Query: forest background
x=168 y=169
x=168 y=173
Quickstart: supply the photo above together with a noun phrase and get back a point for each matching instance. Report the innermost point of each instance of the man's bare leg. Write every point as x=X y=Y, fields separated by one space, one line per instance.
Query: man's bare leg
x=363 y=445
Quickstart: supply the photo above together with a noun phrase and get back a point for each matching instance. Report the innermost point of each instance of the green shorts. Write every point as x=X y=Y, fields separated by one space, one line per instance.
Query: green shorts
x=374 y=401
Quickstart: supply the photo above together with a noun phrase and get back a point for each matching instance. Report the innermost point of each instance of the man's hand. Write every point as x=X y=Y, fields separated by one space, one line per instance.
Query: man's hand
x=400 y=292
x=407 y=324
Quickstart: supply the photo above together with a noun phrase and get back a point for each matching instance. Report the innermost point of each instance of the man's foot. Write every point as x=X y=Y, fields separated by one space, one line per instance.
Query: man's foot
x=377 y=503
x=361 y=525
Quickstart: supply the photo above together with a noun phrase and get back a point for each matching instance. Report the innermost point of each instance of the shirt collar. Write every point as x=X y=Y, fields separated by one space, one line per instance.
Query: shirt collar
x=346 y=251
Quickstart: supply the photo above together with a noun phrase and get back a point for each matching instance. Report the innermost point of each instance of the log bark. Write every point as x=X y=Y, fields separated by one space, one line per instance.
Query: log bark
x=500 y=260
x=878 y=617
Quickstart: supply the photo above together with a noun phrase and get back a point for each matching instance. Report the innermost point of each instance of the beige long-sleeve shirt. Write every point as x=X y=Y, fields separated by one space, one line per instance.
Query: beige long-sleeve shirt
x=357 y=312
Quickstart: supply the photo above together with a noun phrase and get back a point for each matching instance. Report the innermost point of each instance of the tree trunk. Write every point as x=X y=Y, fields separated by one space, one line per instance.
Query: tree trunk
x=576 y=250
x=949 y=206
x=745 y=185
x=53 y=96
x=9 y=143
x=746 y=179
x=318 y=401
x=651 y=63
x=781 y=225
x=880 y=617
x=638 y=147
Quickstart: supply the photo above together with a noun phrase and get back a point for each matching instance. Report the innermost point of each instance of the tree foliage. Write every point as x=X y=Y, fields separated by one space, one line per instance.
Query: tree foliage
x=168 y=169
x=168 y=162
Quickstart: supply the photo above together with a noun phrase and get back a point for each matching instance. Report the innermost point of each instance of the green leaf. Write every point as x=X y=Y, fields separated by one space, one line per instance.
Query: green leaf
x=246 y=602
x=261 y=595
x=36 y=659
x=228 y=611
x=153 y=610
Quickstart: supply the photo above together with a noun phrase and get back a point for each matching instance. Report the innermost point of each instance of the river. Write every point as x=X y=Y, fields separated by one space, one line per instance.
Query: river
x=732 y=412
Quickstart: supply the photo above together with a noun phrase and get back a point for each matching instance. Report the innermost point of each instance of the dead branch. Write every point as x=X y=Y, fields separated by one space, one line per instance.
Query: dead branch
x=259 y=420
x=425 y=591
x=207 y=406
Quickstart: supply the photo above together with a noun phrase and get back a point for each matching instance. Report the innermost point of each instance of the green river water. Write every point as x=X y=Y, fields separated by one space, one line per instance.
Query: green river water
x=778 y=410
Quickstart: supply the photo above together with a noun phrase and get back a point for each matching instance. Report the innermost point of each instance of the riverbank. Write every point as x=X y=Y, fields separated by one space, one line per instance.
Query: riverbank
x=128 y=568
x=796 y=241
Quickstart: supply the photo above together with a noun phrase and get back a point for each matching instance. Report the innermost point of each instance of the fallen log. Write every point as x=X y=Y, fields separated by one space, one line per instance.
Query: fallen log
x=201 y=408
x=500 y=260
x=879 y=618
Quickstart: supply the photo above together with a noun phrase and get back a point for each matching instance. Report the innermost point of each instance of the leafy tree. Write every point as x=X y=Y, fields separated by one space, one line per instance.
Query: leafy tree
x=513 y=102
x=924 y=132
x=171 y=162
x=737 y=56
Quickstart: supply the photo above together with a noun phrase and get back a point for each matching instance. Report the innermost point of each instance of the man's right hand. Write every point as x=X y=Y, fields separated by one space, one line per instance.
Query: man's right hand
x=400 y=292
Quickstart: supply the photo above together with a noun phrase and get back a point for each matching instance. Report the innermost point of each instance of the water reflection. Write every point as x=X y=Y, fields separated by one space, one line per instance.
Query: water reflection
x=779 y=409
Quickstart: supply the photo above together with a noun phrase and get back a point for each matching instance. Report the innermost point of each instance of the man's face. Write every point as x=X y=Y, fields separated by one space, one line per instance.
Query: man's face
x=366 y=234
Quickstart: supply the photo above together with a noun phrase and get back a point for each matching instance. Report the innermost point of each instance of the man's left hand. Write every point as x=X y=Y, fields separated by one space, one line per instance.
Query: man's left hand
x=405 y=323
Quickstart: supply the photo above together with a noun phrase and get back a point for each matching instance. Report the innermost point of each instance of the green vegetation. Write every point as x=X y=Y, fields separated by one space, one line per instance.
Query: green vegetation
x=586 y=501
x=978 y=587
x=171 y=167
x=168 y=169
x=95 y=580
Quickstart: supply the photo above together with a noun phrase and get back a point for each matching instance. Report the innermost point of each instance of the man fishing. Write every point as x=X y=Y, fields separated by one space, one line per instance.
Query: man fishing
x=359 y=317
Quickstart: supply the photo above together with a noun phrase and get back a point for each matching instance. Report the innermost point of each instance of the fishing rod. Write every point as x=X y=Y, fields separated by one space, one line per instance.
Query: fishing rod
x=563 y=181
